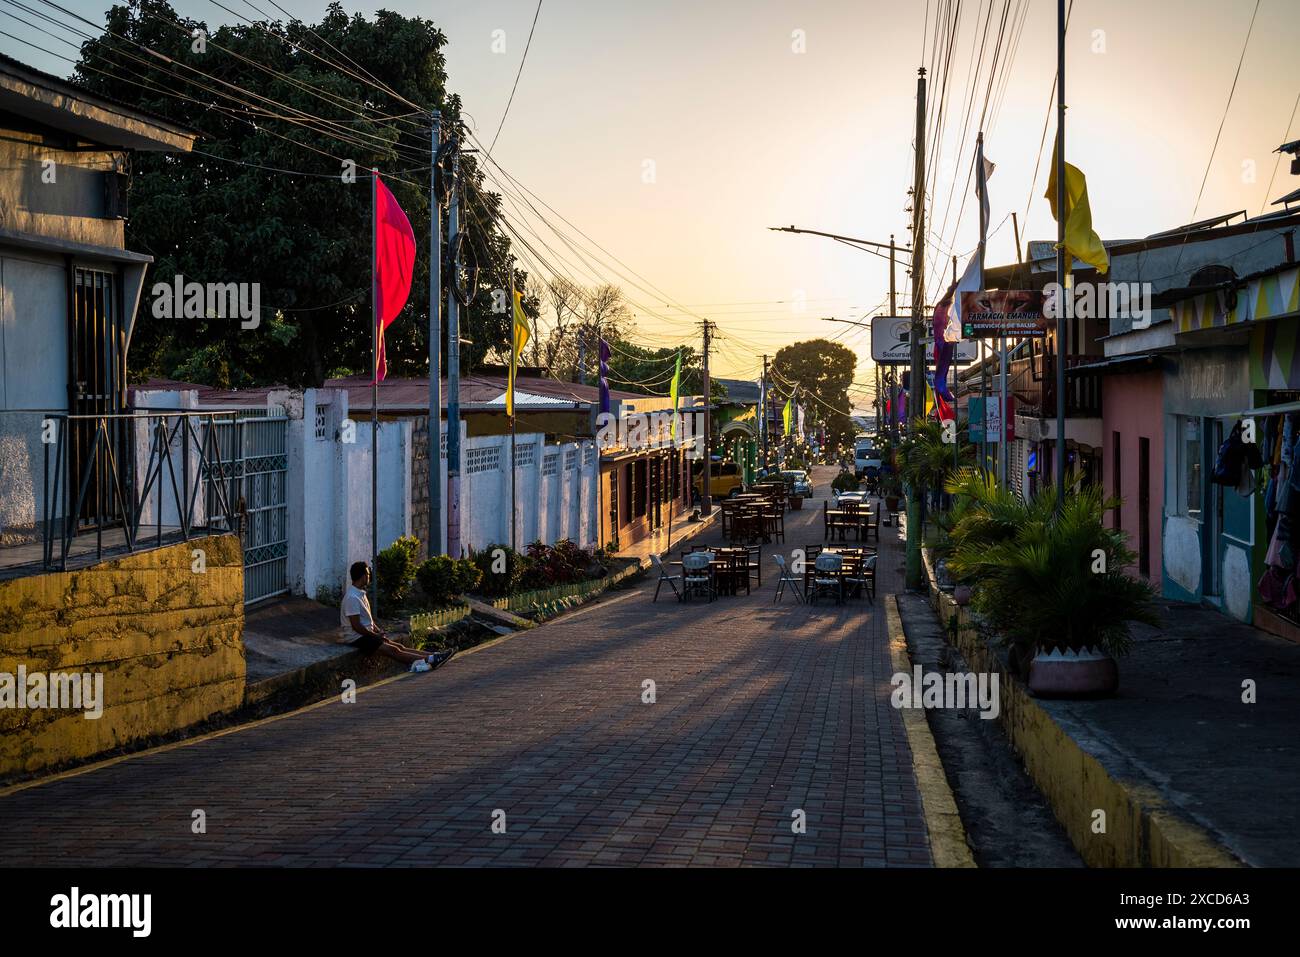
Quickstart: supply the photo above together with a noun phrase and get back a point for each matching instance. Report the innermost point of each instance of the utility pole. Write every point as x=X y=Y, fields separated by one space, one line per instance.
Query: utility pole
x=706 y=500
x=435 y=343
x=1061 y=263
x=453 y=366
x=762 y=419
x=956 y=452
x=893 y=312
x=916 y=396
x=374 y=396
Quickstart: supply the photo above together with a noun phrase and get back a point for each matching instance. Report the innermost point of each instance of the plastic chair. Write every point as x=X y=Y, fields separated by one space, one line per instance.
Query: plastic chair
x=828 y=574
x=787 y=578
x=672 y=580
x=697 y=575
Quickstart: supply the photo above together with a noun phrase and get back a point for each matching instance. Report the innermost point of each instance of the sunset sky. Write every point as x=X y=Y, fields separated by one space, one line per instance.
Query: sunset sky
x=745 y=133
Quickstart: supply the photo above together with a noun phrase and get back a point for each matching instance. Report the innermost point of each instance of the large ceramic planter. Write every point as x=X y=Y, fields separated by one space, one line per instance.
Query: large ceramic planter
x=891 y=502
x=962 y=595
x=1089 y=673
x=796 y=504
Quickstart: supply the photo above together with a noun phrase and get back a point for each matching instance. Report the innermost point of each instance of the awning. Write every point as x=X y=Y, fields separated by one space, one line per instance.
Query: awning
x=1278 y=409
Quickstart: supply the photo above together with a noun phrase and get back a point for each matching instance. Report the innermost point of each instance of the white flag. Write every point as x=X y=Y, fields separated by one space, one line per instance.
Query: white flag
x=971 y=281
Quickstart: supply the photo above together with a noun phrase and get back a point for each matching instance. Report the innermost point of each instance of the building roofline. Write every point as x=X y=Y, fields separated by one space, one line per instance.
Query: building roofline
x=62 y=105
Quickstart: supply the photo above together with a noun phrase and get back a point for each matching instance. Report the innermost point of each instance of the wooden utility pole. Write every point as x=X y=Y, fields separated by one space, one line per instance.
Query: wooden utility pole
x=1061 y=262
x=916 y=392
x=706 y=500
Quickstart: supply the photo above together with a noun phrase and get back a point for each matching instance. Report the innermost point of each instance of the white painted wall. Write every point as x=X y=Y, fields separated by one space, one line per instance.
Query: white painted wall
x=33 y=379
x=328 y=492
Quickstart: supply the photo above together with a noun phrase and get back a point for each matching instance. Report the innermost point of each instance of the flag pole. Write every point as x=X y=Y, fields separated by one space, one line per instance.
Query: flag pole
x=1061 y=261
x=514 y=369
x=374 y=400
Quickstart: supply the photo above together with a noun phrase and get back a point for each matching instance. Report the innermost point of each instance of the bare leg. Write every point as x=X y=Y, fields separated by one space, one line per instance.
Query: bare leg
x=390 y=649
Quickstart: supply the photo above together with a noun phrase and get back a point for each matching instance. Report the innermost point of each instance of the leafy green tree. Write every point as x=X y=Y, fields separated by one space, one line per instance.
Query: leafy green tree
x=824 y=371
x=343 y=90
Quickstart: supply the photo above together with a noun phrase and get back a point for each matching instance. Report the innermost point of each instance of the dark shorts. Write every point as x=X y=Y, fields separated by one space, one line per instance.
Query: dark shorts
x=366 y=643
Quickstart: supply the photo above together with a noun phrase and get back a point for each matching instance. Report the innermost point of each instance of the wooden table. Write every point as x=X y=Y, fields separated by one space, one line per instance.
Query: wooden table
x=720 y=567
x=838 y=518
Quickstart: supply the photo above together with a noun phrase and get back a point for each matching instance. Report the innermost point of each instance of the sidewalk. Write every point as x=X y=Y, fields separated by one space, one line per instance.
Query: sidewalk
x=1188 y=773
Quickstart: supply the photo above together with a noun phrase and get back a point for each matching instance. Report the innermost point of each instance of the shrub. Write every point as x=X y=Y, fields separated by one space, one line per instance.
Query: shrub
x=442 y=579
x=1047 y=580
x=846 y=481
x=500 y=570
x=395 y=566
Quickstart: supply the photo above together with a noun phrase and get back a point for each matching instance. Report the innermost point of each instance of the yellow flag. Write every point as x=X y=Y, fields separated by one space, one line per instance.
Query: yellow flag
x=1081 y=241
x=520 y=337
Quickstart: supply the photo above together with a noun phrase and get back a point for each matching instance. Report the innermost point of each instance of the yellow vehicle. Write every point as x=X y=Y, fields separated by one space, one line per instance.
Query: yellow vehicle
x=725 y=480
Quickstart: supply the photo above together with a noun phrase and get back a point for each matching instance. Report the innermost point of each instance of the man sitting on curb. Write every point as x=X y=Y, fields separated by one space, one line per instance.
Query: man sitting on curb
x=357 y=627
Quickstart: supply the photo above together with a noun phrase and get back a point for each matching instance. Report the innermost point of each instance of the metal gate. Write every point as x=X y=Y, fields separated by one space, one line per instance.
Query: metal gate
x=254 y=455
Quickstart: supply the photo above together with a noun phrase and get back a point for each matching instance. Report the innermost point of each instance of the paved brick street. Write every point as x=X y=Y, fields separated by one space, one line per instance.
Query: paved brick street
x=761 y=710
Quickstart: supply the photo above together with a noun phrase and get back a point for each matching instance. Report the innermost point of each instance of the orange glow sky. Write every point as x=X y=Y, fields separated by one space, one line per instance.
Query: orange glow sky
x=744 y=133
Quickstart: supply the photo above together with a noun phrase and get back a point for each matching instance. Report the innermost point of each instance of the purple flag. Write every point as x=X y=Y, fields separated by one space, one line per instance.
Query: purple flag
x=604 y=376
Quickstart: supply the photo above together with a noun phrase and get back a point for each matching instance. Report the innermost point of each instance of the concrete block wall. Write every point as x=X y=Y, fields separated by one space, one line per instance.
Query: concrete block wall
x=166 y=638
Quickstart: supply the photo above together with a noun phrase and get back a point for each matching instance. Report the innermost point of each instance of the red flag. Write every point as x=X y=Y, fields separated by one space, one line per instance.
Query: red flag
x=394 y=265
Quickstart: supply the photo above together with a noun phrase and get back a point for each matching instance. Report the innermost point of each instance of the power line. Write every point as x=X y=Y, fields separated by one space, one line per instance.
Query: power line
x=522 y=60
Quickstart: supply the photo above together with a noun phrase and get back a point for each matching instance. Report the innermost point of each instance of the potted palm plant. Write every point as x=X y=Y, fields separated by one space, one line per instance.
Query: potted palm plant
x=1052 y=583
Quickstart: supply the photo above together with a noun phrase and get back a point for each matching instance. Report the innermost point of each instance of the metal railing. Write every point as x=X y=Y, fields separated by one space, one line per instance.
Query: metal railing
x=119 y=479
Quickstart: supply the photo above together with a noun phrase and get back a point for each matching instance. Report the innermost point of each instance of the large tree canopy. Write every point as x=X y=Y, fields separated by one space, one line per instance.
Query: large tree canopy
x=270 y=98
x=823 y=371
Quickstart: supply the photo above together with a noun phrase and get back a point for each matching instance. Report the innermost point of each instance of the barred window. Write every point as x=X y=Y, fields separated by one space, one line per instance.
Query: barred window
x=322 y=421
x=570 y=459
x=551 y=464
x=525 y=454
x=483 y=460
x=588 y=455
x=444 y=445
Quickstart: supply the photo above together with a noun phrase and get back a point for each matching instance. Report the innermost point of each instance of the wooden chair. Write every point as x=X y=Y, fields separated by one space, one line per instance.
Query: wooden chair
x=778 y=525
x=672 y=580
x=727 y=509
x=852 y=519
x=756 y=564
x=738 y=571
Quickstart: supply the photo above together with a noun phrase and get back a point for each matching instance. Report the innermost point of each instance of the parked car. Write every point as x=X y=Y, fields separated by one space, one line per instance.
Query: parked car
x=799 y=482
x=725 y=480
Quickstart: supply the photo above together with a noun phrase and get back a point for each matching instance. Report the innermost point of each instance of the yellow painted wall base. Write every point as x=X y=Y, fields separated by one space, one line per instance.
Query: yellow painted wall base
x=167 y=639
x=1141 y=831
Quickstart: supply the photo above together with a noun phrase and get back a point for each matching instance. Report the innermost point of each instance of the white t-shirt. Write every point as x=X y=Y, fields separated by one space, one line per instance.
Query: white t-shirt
x=354 y=602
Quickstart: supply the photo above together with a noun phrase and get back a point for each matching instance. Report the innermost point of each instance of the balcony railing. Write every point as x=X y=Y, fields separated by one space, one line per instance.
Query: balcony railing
x=1082 y=389
x=111 y=483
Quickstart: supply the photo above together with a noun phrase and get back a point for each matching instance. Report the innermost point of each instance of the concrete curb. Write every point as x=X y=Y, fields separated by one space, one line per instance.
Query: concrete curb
x=1142 y=830
x=352 y=664
x=948 y=845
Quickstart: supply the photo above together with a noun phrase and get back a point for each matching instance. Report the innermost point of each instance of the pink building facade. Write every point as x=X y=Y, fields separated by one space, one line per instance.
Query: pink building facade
x=1133 y=461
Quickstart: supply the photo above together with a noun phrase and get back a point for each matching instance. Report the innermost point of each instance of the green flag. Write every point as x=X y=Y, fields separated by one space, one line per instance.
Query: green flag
x=673 y=391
